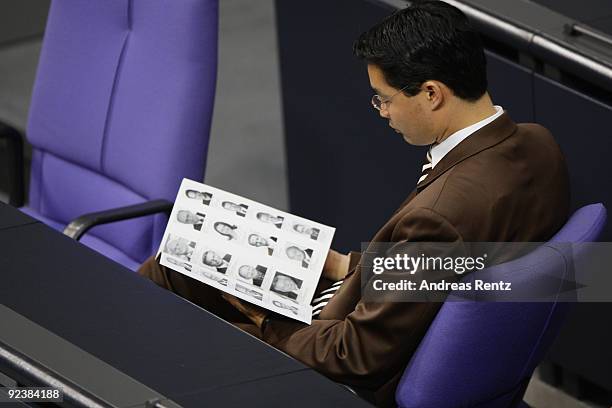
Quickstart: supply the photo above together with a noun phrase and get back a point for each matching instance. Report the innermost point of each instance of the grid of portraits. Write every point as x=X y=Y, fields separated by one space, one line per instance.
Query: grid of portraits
x=260 y=254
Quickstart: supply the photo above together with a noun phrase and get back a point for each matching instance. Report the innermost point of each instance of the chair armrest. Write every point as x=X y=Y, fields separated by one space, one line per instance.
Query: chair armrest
x=78 y=227
x=14 y=164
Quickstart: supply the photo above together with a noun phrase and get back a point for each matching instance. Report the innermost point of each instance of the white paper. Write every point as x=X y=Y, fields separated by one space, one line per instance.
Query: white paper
x=265 y=256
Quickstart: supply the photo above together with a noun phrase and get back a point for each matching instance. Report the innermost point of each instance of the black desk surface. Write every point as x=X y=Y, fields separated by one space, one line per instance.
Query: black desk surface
x=10 y=218
x=148 y=333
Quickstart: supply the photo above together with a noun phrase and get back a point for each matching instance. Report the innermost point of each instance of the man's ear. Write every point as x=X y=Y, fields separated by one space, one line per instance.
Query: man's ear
x=435 y=94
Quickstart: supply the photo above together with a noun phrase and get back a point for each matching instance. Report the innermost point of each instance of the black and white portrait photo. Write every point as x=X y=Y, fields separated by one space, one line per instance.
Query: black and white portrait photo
x=299 y=254
x=179 y=247
x=187 y=217
x=204 y=196
x=252 y=274
x=226 y=230
x=267 y=218
x=216 y=261
x=239 y=209
x=259 y=241
x=286 y=285
x=311 y=232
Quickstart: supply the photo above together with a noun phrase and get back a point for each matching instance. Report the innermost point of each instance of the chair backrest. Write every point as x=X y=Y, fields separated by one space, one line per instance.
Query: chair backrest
x=121 y=110
x=482 y=353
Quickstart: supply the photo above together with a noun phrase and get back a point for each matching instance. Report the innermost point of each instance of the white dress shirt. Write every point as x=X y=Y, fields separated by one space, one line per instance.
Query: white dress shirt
x=440 y=150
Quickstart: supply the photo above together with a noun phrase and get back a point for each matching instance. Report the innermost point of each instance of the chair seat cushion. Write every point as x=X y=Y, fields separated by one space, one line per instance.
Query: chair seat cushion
x=92 y=242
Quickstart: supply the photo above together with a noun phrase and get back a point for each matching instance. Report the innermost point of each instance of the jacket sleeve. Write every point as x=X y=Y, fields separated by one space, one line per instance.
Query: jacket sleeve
x=376 y=340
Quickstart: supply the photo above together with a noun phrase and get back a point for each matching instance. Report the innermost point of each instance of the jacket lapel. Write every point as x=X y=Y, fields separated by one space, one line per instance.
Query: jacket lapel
x=480 y=140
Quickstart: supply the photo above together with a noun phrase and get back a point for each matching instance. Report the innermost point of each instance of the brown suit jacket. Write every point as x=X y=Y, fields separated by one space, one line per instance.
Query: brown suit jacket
x=505 y=182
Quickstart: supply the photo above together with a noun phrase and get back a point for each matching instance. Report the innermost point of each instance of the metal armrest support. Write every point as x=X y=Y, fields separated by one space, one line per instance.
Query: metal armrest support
x=15 y=164
x=78 y=227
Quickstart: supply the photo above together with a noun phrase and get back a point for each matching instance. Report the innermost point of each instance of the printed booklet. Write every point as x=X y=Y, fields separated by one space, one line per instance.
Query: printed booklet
x=265 y=256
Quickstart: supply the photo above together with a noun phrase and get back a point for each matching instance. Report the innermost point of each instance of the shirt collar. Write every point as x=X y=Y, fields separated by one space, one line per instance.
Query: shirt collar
x=440 y=150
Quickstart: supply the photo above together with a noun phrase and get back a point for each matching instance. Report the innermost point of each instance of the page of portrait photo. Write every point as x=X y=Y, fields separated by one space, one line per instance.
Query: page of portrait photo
x=257 y=253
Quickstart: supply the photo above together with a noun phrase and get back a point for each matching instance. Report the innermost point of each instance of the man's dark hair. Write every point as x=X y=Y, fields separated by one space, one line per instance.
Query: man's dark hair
x=429 y=40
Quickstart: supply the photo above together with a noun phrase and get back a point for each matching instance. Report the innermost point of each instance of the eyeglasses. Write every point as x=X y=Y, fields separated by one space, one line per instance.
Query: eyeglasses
x=378 y=101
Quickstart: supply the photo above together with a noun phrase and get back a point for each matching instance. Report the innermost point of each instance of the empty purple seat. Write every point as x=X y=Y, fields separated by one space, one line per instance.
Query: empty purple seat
x=120 y=113
x=482 y=354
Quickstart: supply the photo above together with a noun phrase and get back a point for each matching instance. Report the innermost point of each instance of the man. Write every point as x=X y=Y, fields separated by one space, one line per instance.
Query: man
x=199 y=195
x=486 y=179
x=187 y=217
x=239 y=209
x=277 y=221
x=297 y=254
x=312 y=232
x=255 y=274
x=214 y=260
x=285 y=285
x=179 y=247
x=257 y=241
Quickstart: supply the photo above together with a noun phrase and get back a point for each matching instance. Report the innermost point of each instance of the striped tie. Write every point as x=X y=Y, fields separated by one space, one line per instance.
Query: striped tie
x=426 y=167
x=319 y=303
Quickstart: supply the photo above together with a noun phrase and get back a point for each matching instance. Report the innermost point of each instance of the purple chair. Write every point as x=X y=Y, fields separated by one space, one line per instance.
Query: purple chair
x=120 y=113
x=481 y=354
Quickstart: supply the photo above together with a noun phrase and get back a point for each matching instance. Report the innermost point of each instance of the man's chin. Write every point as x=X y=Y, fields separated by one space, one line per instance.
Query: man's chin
x=410 y=140
x=406 y=138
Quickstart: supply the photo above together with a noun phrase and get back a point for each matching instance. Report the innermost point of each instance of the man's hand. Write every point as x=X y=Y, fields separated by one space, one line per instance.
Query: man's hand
x=336 y=266
x=255 y=313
